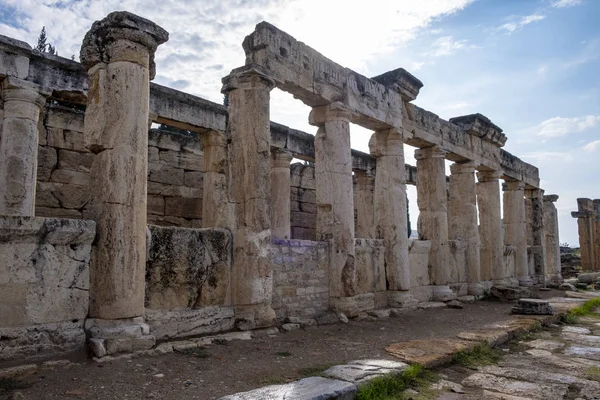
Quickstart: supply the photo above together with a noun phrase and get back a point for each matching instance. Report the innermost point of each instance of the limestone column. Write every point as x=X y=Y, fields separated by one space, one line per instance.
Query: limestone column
x=596 y=240
x=118 y=53
x=515 y=229
x=586 y=230
x=335 y=203
x=363 y=199
x=432 y=224
x=280 y=194
x=462 y=221
x=249 y=91
x=553 y=266
x=535 y=197
x=490 y=230
x=217 y=209
x=391 y=221
x=19 y=146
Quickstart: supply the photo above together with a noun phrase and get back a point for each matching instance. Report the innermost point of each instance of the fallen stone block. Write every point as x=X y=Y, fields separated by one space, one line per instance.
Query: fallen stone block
x=567 y=286
x=314 y=388
x=432 y=304
x=588 y=278
x=489 y=336
x=509 y=293
x=532 y=307
x=454 y=304
x=582 y=295
x=429 y=353
x=516 y=387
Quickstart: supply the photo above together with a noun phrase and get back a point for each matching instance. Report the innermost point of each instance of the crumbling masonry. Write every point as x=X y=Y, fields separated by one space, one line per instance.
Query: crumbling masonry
x=238 y=237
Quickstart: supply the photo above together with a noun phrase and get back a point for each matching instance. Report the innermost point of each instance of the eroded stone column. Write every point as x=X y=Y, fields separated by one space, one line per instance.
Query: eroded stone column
x=280 y=194
x=596 y=240
x=363 y=201
x=217 y=209
x=249 y=91
x=515 y=229
x=391 y=221
x=553 y=266
x=490 y=229
x=462 y=222
x=432 y=224
x=538 y=248
x=585 y=226
x=335 y=205
x=118 y=53
x=19 y=146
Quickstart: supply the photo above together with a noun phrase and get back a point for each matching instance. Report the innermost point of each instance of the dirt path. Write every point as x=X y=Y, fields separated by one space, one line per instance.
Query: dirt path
x=237 y=366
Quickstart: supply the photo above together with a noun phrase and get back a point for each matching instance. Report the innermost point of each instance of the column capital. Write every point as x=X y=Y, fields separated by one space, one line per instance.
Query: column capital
x=488 y=176
x=463 y=167
x=213 y=138
x=15 y=89
x=513 y=185
x=122 y=36
x=551 y=198
x=331 y=112
x=248 y=77
x=430 y=152
x=534 y=193
x=388 y=142
x=281 y=158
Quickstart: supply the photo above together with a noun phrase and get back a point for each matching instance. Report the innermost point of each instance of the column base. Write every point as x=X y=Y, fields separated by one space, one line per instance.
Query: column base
x=443 y=293
x=353 y=305
x=525 y=281
x=401 y=299
x=508 y=282
x=476 y=289
x=254 y=316
x=112 y=336
x=554 y=281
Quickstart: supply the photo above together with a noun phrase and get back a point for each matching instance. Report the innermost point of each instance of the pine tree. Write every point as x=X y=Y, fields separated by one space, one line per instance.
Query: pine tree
x=41 y=46
x=408 y=218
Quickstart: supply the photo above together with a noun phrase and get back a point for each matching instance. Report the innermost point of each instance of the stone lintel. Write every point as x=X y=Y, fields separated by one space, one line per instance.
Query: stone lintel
x=402 y=82
x=551 y=198
x=430 y=152
x=330 y=112
x=121 y=26
x=581 y=214
x=481 y=126
x=14 y=46
x=249 y=76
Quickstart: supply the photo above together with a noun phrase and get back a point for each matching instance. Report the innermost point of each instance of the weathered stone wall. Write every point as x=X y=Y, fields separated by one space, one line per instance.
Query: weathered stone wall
x=188 y=281
x=44 y=281
x=303 y=201
x=420 y=277
x=300 y=278
x=370 y=269
x=175 y=165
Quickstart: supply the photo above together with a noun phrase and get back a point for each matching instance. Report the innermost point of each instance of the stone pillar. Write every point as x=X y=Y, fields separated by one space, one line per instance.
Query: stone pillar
x=432 y=224
x=585 y=215
x=490 y=226
x=118 y=53
x=19 y=146
x=217 y=209
x=249 y=91
x=462 y=221
x=335 y=205
x=553 y=266
x=363 y=197
x=280 y=194
x=391 y=221
x=596 y=240
x=538 y=248
x=515 y=229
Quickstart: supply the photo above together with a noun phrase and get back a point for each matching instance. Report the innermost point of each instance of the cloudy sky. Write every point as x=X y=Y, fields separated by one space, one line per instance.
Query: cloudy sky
x=531 y=66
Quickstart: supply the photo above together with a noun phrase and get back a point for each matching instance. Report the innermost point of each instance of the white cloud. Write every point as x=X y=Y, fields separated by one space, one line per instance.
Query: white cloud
x=518 y=23
x=558 y=126
x=592 y=146
x=537 y=157
x=565 y=3
x=445 y=46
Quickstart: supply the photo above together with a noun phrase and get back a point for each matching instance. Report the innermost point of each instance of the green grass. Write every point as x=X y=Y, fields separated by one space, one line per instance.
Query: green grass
x=480 y=355
x=283 y=353
x=593 y=373
x=391 y=387
x=586 y=309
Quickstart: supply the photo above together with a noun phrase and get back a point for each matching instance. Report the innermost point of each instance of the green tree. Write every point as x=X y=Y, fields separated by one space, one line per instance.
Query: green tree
x=408 y=217
x=42 y=44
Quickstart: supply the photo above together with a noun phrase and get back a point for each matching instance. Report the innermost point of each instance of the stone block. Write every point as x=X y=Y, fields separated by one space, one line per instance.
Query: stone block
x=304 y=220
x=47 y=157
x=173 y=190
x=193 y=179
x=70 y=177
x=129 y=345
x=58 y=213
x=45 y=279
x=532 y=307
x=187 y=268
x=164 y=174
x=184 y=323
x=312 y=388
x=74 y=160
x=183 y=207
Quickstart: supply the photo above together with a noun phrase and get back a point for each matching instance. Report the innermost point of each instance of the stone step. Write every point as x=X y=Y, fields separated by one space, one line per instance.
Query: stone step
x=313 y=388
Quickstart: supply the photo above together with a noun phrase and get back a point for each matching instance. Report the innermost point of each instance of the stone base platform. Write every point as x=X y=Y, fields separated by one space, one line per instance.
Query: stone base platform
x=109 y=337
x=354 y=305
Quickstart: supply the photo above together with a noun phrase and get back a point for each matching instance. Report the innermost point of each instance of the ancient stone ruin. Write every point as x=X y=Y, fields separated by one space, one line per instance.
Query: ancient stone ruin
x=118 y=235
x=588 y=224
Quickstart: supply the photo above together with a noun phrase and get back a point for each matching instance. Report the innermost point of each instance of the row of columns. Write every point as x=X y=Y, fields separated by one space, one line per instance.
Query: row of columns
x=588 y=224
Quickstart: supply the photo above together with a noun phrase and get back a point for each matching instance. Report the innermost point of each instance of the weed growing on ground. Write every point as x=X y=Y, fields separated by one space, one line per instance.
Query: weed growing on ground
x=391 y=387
x=530 y=334
x=584 y=310
x=283 y=353
x=273 y=380
x=480 y=355
x=199 y=352
x=593 y=373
